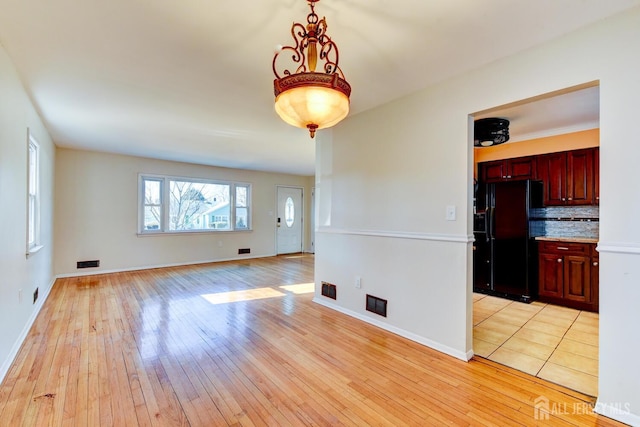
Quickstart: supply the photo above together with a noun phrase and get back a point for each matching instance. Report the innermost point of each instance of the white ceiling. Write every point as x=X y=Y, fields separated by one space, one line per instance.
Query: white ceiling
x=192 y=81
x=550 y=114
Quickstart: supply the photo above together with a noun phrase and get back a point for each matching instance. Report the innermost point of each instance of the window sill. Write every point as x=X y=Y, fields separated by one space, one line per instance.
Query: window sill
x=182 y=233
x=33 y=250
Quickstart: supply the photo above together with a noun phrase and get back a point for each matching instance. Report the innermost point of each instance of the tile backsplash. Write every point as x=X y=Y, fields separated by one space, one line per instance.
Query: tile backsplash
x=565 y=221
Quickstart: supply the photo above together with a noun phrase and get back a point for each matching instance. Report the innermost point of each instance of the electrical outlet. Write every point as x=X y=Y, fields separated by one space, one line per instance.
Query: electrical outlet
x=358 y=282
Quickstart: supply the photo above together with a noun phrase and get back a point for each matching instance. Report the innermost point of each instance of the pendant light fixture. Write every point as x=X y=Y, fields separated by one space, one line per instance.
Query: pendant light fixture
x=307 y=98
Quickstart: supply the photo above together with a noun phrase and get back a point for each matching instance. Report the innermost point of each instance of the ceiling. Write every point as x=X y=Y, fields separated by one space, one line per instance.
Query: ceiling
x=570 y=110
x=191 y=80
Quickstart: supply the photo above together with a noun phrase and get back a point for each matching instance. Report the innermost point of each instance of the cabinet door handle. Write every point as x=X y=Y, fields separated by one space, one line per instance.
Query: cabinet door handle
x=595 y=263
x=562 y=248
x=564 y=200
x=559 y=259
x=570 y=198
x=508 y=176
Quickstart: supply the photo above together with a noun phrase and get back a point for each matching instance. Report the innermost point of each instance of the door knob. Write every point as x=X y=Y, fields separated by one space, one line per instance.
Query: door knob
x=559 y=259
x=595 y=263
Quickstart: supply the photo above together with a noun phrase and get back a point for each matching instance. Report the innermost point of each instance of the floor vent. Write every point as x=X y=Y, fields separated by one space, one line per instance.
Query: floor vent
x=377 y=305
x=329 y=290
x=88 y=264
x=244 y=251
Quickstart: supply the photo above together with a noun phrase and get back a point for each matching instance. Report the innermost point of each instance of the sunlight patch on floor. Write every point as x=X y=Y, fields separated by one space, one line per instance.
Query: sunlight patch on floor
x=302 y=288
x=244 y=295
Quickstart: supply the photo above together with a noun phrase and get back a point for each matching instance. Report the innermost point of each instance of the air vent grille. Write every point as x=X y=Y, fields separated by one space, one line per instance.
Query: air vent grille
x=377 y=305
x=88 y=264
x=329 y=290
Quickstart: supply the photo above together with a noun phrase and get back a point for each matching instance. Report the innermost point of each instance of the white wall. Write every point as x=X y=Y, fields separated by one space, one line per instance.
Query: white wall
x=385 y=177
x=17 y=272
x=97 y=209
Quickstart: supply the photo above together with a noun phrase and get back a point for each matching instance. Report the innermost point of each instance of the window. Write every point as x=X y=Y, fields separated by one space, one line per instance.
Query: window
x=289 y=212
x=169 y=204
x=33 y=185
x=242 y=207
x=152 y=204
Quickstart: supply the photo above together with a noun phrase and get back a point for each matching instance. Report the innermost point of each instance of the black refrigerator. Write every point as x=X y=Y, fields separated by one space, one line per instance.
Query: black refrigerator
x=504 y=256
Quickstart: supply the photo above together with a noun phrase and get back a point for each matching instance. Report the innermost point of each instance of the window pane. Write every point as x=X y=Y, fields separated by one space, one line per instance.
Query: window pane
x=196 y=206
x=151 y=192
x=242 y=219
x=33 y=169
x=152 y=217
x=289 y=212
x=241 y=196
x=32 y=221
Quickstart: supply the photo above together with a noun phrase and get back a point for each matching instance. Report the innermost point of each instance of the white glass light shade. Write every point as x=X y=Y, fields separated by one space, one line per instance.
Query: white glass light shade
x=312 y=105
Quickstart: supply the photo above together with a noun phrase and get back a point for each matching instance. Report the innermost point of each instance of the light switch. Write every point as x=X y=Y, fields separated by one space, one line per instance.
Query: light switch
x=451 y=213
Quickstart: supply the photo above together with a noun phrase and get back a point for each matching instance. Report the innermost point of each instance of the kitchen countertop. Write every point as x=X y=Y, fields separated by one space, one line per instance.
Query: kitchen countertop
x=568 y=239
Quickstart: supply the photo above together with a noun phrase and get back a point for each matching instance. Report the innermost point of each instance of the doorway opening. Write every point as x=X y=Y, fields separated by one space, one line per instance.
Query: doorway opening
x=552 y=331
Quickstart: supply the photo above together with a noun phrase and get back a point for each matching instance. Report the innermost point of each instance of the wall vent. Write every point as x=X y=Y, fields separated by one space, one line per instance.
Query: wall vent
x=329 y=290
x=377 y=305
x=88 y=264
x=244 y=251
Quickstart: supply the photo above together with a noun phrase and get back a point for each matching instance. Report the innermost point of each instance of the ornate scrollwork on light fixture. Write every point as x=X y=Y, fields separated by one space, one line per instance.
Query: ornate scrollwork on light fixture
x=306 y=98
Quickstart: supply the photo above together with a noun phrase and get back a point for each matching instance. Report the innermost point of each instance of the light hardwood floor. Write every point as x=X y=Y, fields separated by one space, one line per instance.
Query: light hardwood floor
x=241 y=343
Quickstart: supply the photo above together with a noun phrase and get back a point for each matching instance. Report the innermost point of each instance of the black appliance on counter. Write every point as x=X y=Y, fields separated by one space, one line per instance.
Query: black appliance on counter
x=504 y=256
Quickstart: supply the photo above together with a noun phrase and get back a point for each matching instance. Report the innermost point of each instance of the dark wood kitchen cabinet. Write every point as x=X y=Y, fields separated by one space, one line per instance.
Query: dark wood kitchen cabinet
x=568 y=177
x=565 y=275
x=518 y=168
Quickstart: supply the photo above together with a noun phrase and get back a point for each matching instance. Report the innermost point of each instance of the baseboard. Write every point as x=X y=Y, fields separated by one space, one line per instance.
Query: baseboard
x=617 y=411
x=398 y=331
x=150 y=267
x=6 y=365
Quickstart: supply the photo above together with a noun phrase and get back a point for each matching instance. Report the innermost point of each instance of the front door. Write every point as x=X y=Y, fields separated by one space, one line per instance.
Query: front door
x=289 y=220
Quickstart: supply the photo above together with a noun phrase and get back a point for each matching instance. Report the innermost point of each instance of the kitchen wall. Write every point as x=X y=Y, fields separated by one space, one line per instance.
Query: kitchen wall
x=550 y=144
x=386 y=177
x=19 y=274
x=566 y=221
x=97 y=209
x=552 y=221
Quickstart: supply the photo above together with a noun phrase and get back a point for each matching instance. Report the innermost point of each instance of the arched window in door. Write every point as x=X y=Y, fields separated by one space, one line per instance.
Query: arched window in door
x=289 y=212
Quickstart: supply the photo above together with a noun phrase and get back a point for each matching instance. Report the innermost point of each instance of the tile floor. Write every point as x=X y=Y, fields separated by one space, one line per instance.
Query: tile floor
x=555 y=343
